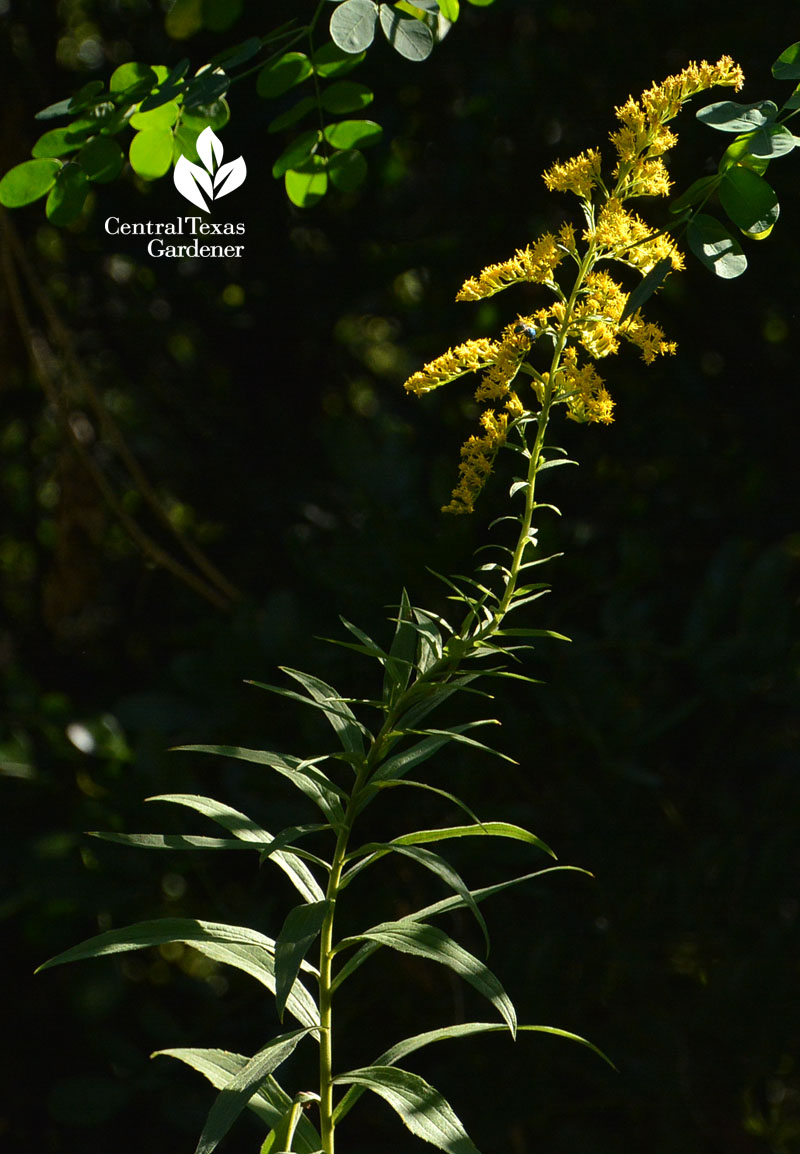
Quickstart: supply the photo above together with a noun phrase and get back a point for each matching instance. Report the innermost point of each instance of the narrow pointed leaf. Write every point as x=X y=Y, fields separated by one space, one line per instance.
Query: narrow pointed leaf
x=305 y=775
x=269 y=1102
x=424 y=1111
x=466 y=1029
x=482 y=829
x=240 y=1089
x=244 y=828
x=430 y=861
x=401 y=651
x=299 y=931
x=430 y=942
x=447 y=905
x=335 y=708
x=643 y=291
x=172 y=840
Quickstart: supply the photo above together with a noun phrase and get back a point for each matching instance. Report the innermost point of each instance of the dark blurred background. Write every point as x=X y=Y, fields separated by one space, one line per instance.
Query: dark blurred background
x=263 y=399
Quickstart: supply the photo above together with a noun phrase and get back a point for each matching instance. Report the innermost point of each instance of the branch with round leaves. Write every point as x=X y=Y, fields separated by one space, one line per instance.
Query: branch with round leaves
x=761 y=135
x=168 y=109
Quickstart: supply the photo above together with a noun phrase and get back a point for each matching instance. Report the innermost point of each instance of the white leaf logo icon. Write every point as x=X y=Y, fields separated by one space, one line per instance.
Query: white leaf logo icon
x=215 y=179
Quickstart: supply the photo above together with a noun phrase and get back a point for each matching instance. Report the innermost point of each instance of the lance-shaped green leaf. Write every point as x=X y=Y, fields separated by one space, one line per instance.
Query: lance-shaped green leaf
x=260 y=965
x=408 y=1046
x=324 y=697
x=269 y=1102
x=430 y=942
x=236 y=1094
x=711 y=242
x=401 y=652
x=728 y=116
x=429 y=861
x=247 y=830
x=749 y=201
x=481 y=829
x=172 y=840
x=237 y=946
x=447 y=905
x=644 y=290
x=399 y=764
x=424 y=1111
x=306 y=775
x=281 y=1138
x=300 y=929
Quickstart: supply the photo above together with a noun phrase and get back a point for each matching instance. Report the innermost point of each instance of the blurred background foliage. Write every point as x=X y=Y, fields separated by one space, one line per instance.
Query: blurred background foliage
x=262 y=399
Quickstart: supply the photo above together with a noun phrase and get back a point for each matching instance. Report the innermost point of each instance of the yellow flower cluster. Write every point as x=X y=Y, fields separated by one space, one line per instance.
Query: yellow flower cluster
x=624 y=236
x=580 y=174
x=583 y=390
x=588 y=315
x=535 y=263
x=466 y=358
x=477 y=459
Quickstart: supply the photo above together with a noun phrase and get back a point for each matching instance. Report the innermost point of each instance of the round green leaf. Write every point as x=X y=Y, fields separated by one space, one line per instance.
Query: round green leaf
x=307 y=185
x=353 y=133
x=748 y=200
x=101 y=158
x=712 y=244
x=297 y=153
x=787 y=66
x=346 y=96
x=353 y=25
x=767 y=143
x=347 y=169
x=284 y=73
x=67 y=197
x=132 y=75
x=163 y=116
x=28 y=181
x=739 y=153
x=150 y=153
x=407 y=35
x=727 y=116
x=60 y=140
x=331 y=60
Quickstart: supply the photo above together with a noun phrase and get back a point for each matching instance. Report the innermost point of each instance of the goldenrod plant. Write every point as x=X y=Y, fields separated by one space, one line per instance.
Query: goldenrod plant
x=543 y=359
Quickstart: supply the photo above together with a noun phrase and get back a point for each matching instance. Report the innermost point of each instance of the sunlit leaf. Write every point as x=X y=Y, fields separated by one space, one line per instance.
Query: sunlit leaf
x=434 y=944
x=748 y=200
x=269 y=1102
x=28 y=181
x=150 y=153
x=353 y=25
x=282 y=74
x=787 y=66
x=423 y=1110
x=236 y=1094
x=299 y=931
x=408 y=36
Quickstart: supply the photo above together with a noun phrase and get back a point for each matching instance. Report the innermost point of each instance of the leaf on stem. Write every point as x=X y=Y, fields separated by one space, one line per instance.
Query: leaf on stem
x=299 y=931
x=430 y=942
x=464 y=1030
x=424 y=1111
x=248 y=831
x=269 y=1102
x=236 y=1093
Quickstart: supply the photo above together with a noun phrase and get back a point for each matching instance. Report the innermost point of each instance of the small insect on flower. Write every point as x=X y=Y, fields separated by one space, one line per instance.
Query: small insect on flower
x=529 y=330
